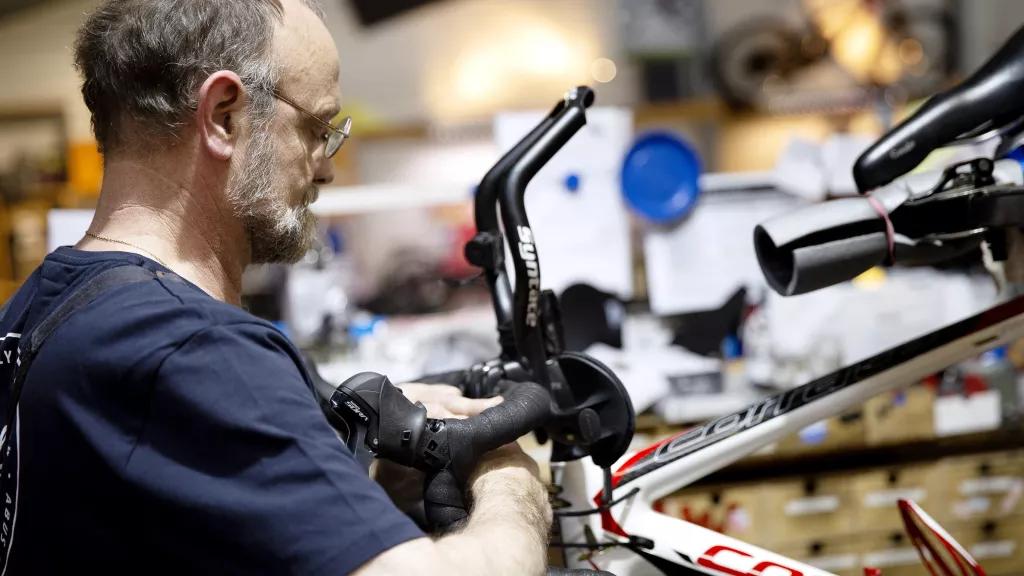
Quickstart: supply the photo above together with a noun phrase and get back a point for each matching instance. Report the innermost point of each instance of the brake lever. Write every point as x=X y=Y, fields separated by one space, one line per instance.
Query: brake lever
x=965 y=208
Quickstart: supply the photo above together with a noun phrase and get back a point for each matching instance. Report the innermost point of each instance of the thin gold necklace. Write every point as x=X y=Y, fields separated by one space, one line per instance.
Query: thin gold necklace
x=162 y=263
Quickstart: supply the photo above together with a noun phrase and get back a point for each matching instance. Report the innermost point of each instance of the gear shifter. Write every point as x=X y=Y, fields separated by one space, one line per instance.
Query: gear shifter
x=365 y=402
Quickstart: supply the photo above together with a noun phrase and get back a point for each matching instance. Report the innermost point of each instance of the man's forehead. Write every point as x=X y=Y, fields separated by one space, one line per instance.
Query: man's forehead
x=307 y=57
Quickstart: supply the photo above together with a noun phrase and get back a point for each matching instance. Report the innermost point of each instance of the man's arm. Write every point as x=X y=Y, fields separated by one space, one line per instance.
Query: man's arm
x=506 y=534
x=238 y=466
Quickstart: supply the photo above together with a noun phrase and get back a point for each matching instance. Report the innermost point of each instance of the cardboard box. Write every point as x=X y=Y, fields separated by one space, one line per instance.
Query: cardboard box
x=892 y=553
x=733 y=510
x=900 y=416
x=998 y=546
x=810 y=509
x=983 y=486
x=877 y=492
x=840 y=556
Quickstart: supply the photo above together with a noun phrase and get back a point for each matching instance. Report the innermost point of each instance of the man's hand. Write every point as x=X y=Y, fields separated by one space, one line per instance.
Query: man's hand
x=509 y=506
x=444 y=401
x=405 y=485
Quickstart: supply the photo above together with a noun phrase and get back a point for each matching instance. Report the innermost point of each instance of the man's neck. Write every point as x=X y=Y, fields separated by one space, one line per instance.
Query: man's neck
x=177 y=219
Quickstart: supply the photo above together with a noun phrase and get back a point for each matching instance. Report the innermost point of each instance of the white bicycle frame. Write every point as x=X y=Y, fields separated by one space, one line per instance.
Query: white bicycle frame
x=680 y=547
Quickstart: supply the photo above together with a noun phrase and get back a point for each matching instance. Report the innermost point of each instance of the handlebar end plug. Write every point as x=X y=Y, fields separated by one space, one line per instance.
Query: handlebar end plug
x=576 y=427
x=486 y=250
x=589 y=424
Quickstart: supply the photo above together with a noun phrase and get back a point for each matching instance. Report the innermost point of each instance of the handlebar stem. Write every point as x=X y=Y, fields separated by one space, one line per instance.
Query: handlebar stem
x=569 y=118
x=489 y=234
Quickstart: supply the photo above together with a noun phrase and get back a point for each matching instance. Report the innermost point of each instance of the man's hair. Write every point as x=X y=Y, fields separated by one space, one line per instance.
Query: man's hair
x=143 y=61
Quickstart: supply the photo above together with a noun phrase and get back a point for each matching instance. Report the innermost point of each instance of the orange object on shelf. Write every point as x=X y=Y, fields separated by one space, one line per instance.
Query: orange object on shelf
x=85 y=168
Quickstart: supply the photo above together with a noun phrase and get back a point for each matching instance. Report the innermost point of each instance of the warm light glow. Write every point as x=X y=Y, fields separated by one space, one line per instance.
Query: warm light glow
x=477 y=76
x=509 y=59
x=603 y=70
x=859 y=41
x=911 y=51
x=541 y=51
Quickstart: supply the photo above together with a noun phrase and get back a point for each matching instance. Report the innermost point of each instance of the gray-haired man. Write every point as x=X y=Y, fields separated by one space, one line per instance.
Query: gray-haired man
x=162 y=429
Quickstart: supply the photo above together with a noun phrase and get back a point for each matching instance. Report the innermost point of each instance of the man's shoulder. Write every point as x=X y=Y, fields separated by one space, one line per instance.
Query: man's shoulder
x=168 y=301
x=149 y=317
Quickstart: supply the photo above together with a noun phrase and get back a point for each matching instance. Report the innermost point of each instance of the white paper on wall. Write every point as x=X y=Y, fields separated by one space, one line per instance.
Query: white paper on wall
x=66 y=227
x=581 y=236
x=699 y=264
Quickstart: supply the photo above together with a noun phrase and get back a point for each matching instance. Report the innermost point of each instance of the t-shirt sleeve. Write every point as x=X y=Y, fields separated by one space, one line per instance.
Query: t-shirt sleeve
x=242 y=470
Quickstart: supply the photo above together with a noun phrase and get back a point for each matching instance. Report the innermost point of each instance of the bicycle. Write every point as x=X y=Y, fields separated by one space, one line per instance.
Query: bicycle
x=604 y=497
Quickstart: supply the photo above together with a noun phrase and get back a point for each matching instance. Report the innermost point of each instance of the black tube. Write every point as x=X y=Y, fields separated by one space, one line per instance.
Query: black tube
x=485 y=207
x=820 y=245
x=485 y=204
x=569 y=118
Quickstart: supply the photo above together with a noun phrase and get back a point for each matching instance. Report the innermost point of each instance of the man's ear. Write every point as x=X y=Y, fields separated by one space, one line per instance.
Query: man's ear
x=221 y=100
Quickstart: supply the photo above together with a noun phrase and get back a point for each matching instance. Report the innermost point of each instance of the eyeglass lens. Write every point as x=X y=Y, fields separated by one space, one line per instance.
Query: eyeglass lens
x=337 y=138
x=334 y=142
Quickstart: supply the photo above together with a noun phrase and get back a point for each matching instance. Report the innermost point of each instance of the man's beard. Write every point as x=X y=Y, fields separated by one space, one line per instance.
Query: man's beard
x=278 y=233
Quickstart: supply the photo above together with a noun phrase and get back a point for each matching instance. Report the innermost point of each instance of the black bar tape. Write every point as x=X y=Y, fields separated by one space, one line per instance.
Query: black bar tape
x=466 y=441
x=443 y=502
x=525 y=409
x=553 y=571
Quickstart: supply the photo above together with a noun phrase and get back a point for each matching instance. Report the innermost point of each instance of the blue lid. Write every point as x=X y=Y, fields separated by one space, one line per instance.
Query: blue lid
x=572 y=182
x=660 y=177
x=732 y=348
x=1016 y=154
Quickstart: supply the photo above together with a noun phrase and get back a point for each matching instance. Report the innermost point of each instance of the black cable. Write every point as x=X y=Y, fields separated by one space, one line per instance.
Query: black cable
x=635 y=543
x=588 y=545
x=599 y=509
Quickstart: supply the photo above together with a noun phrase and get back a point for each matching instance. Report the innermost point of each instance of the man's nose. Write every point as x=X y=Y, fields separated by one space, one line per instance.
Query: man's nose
x=324 y=174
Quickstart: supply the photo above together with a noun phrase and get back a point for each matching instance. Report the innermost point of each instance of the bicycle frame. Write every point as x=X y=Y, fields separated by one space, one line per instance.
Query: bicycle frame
x=643 y=477
x=683 y=548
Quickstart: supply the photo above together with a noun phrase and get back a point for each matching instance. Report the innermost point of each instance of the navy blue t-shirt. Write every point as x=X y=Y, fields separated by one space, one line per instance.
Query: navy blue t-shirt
x=162 y=431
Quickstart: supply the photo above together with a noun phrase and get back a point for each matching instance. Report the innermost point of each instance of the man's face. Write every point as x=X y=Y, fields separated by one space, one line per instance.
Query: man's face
x=283 y=162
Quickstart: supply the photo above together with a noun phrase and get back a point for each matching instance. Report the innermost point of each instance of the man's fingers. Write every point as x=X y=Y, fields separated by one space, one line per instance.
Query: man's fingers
x=460 y=405
x=444 y=389
x=428 y=392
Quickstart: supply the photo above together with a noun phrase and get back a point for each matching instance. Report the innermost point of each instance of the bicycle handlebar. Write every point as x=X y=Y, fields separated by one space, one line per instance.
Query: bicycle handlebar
x=518 y=311
x=529 y=336
x=460 y=444
x=821 y=245
x=922 y=219
x=486 y=216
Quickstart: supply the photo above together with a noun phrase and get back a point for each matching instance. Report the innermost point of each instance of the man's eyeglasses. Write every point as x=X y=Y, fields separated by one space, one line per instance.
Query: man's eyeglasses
x=336 y=135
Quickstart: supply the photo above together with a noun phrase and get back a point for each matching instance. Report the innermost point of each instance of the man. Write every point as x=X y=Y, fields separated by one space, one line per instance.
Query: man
x=161 y=429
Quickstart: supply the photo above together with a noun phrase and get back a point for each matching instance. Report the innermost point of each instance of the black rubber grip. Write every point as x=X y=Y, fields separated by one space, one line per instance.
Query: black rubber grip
x=444 y=503
x=553 y=571
x=525 y=409
x=820 y=245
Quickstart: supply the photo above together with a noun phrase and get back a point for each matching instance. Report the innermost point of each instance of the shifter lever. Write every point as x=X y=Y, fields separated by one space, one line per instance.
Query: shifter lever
x=379 y=419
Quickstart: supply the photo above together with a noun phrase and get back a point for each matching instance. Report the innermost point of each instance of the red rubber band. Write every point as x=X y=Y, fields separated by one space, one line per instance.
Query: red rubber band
x=890 y=232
